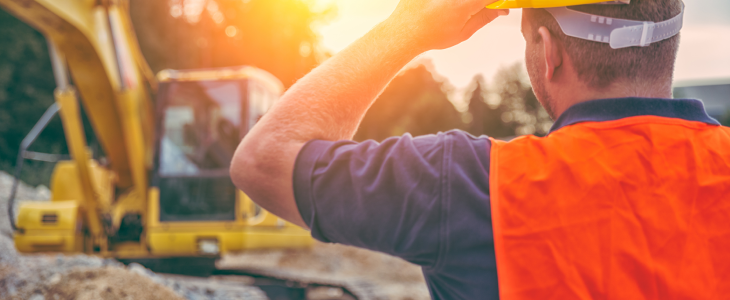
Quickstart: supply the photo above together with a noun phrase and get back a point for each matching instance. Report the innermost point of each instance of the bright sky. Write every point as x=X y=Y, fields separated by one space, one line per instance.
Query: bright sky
x=704 y=52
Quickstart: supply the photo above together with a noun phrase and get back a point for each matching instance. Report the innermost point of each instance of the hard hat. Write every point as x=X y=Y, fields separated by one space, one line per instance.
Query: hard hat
x=618 y=33
x=505 y=4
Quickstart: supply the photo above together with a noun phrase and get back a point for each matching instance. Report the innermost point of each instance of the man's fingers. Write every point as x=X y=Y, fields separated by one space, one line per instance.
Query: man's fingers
x=480 y=19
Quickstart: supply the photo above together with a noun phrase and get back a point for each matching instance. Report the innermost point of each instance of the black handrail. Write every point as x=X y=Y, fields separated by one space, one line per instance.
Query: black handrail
x=24 y=154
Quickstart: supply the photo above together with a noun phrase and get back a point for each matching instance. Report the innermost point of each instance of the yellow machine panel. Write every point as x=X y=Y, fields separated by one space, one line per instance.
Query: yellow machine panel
x=249 y=231
x=49 y=227
x=189 y=241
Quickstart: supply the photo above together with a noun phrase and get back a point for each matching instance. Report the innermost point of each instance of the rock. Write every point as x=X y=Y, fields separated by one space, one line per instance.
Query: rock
x=213 y=288
x=37 y=297
x=25 y=193
x=55 y=278
x=139 y=269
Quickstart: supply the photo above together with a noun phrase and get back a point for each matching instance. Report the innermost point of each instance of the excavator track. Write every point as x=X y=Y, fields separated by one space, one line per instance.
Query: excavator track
x=278 y=284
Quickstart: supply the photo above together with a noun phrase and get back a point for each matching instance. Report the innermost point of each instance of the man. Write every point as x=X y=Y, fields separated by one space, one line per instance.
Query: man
x=622 y=200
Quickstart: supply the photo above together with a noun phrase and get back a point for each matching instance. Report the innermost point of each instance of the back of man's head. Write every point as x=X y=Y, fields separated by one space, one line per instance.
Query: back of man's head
x=597 y=64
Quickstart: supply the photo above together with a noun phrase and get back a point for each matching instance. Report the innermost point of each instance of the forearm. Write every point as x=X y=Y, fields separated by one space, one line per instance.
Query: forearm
x=330 y=102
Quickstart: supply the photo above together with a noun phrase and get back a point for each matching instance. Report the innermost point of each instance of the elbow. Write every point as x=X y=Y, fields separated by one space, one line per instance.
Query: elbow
x=242 y=166
x=251 y=173
x=263 y=170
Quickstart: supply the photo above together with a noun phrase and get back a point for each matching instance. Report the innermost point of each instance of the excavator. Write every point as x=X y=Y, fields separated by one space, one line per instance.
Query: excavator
x=160 y=193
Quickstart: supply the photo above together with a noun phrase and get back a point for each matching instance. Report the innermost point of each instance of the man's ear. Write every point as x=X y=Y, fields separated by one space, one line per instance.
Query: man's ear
x=553 y=52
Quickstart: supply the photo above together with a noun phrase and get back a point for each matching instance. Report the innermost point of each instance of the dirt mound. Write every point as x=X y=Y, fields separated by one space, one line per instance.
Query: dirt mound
x=108 y=283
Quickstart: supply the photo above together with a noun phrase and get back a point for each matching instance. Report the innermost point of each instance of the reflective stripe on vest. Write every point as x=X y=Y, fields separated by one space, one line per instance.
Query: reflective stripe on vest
x=637 y=208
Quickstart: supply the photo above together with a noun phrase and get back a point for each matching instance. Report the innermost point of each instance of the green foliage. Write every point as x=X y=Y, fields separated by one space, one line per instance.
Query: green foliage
x=26 y=90
x=414 y=103
x=523 y=111
x=417 y=103
x=483 y=118
x=514 y=110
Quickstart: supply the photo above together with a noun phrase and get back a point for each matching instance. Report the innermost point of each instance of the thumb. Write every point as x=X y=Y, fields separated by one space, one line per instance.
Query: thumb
x=480 y=19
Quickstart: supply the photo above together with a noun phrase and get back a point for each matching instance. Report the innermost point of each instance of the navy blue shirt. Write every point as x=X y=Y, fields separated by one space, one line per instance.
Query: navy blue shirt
x=426 y=199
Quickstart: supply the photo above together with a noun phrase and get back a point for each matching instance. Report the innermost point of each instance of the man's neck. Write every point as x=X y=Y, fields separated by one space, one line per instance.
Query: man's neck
x=578 y=93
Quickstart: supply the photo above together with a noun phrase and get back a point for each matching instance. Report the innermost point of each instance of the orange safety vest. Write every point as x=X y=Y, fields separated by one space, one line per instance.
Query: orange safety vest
x=635 y=208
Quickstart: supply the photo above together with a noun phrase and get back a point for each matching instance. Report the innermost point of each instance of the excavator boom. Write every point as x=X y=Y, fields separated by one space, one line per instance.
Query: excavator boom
x=94 y=40
x=164 y=190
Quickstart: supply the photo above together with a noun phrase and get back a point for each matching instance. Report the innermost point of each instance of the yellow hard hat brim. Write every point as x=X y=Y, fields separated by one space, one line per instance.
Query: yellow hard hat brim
x=507 y=4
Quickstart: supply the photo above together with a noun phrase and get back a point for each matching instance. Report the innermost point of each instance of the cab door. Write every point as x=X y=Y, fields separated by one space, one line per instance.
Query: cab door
x=202 y=123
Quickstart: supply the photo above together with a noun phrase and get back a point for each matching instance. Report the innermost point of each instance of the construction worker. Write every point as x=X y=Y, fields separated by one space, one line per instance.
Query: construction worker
x=628 y=197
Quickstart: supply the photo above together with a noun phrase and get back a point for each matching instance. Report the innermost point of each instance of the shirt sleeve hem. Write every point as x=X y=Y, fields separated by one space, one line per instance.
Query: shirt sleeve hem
x=302 y=181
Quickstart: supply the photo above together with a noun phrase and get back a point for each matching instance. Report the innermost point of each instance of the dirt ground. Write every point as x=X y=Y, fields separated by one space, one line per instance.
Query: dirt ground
x=107 y=283
x=56 y=277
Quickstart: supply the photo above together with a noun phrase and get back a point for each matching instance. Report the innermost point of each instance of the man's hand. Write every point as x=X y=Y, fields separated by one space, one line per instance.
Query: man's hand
x=440 y=24
x=330 y=102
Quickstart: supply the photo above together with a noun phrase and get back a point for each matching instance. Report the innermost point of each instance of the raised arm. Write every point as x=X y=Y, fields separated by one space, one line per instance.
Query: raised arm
x=330 y=102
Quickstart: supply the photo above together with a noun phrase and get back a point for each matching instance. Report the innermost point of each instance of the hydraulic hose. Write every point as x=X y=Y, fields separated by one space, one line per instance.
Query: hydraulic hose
x=24 y=145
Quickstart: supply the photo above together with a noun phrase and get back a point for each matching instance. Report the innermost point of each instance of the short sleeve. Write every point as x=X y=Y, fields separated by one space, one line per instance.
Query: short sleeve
x=396 y=196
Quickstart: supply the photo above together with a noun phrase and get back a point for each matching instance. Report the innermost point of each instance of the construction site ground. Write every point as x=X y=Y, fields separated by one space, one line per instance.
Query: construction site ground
x=56 y=276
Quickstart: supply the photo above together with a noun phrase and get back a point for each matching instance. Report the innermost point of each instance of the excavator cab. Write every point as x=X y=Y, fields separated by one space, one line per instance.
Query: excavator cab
x=201 y=122
x=195 y=209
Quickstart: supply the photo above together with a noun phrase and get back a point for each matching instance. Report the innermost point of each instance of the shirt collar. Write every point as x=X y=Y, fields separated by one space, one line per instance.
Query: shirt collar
x=614 y=109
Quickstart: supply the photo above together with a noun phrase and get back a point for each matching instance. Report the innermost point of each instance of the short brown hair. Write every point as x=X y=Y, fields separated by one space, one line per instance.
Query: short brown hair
x=598 y=65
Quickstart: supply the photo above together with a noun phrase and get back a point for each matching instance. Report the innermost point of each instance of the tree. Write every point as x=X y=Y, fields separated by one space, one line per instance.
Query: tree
x=275 y=35
x=522 y=110
x=26 y=90
x=414 y=103
x=485 y=118
x=477 y=106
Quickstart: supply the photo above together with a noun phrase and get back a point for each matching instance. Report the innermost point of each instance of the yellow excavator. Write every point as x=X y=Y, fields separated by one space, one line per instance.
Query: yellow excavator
x=161 y=188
